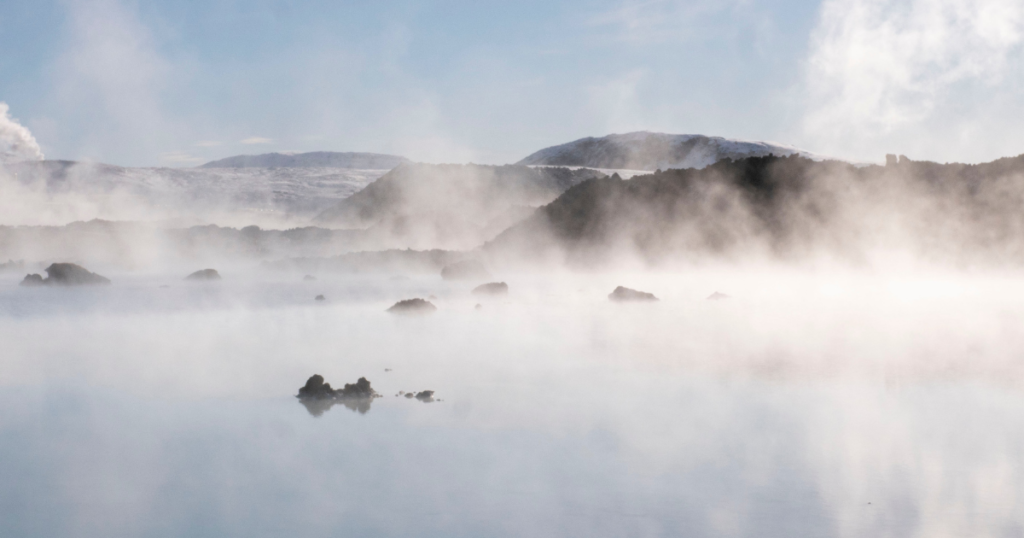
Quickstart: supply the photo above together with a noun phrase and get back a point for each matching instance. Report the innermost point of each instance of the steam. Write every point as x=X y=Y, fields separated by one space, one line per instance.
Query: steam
x=881 y=65
x=16 y=142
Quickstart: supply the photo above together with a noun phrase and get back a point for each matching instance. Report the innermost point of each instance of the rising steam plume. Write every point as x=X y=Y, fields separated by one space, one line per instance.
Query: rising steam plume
x=16 y=142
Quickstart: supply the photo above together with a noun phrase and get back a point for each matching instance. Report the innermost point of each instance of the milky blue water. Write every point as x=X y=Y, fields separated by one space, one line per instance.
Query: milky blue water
x=804 y=406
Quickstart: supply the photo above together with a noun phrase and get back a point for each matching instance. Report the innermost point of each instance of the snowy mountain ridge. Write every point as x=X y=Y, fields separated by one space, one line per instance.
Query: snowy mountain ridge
x=315 y=159
x=644 y=150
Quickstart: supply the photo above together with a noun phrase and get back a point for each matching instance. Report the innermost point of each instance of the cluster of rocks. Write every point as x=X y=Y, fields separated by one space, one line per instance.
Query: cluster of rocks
x=318 y=396
x=65 y=274
x=425 y=396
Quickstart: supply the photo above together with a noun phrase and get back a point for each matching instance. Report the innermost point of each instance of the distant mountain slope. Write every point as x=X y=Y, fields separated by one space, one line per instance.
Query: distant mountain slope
x=655 y=151
x=316 y=159
x=784 y=208
x=273 y=197
x=449 y=205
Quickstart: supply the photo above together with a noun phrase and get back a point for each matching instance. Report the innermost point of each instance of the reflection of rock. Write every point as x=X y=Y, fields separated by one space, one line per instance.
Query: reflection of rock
x=491 y=288
x=626 y=294
x=204 y=275
x=412 y=306
x=321 y=298
x=465 y=270
x=718 y=296
x=318 y=396
x=65 y=274
x=308 y=278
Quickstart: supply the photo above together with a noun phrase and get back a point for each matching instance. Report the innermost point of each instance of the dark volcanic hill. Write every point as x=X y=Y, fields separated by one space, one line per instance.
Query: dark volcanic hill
x=654 y=151
x=316 y=159
x=449 y=206
x=784 y=208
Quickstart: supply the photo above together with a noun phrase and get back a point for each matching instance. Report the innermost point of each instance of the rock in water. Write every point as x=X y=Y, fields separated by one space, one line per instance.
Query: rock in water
x=204 y=275
x=718 y=296
x=626 y=294
x=308 y=278
x=65 y=274
x=318 y=396
x=491 y=288
x=465 y=270
x=412 y=306
x=425 y=396
x=320 y=298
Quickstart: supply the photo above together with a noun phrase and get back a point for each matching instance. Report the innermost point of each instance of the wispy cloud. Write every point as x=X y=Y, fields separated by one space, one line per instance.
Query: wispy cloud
x=651 y=20
x=257 y=140
x=180 y=157
x=208 y=143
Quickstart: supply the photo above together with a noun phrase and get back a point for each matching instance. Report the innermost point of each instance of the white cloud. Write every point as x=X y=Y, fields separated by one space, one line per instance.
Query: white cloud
x=880 y=67
x=257 y=140
x=16 y=142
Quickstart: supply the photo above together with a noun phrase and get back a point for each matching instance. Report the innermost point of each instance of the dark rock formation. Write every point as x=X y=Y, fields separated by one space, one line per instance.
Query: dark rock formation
x=33 y=280
x=425 y=396
x=412 y=306
x=491 y=288
x=465 y=270
x=65 y=274
x=626 y=294
x=308 y=278
x=318 y=396
x=718 y=296
x=320 y=298
x=204 y=275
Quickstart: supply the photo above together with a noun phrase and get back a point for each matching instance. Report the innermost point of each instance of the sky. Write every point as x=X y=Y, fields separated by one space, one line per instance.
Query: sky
x=184 y=82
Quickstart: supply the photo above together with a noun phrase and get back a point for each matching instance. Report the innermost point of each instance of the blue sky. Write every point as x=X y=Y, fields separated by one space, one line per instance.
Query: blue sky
x=179 y=83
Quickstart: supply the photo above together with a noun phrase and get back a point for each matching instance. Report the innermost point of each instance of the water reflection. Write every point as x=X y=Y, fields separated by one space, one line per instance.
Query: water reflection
x=318 y=407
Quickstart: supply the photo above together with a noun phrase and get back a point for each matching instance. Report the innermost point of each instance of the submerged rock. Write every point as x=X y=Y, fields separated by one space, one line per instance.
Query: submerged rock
x=308 y=278
x=718 y=296
x=65 y=274
x=626 y=294
x=491 y=288
x=204 y=275
x=465 y=270
x=320 y=298
x=318 y=396
x=413 y=306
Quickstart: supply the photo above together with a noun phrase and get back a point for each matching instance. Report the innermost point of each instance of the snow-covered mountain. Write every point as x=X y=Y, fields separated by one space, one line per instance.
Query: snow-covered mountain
x=57 y=192
x=316 y=159
x=652 y=151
